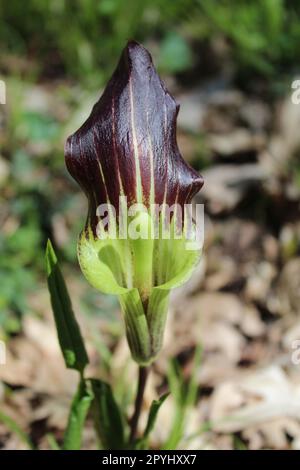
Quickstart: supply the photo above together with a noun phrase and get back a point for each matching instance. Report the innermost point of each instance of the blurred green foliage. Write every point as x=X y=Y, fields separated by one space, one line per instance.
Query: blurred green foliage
x=82 y=38
x=264 y=34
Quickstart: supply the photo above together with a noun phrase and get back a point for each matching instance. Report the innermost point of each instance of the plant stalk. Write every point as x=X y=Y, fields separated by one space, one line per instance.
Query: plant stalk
x=143 y=375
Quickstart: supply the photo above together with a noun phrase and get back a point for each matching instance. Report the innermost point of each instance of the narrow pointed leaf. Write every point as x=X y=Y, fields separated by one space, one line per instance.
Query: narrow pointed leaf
x=184 y=396
x=153 y=413
x=107 y=416
x=68 y=331
x=193 y=385
x=13 y=426
x=77 y=416
x=53 y=444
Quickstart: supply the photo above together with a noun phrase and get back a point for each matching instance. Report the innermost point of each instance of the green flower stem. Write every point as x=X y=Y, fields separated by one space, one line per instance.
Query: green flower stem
x=143 y=375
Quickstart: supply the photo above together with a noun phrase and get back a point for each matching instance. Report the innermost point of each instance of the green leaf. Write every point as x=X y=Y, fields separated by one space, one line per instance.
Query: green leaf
x=184 y=395
x=53 y=444
x=78 y=412
x=154 y=409
x=68 y=331
x=192 y=386
x=176 y=384
x=153 y=413
x=107 y=416
x=176 y=381
x=11 y=424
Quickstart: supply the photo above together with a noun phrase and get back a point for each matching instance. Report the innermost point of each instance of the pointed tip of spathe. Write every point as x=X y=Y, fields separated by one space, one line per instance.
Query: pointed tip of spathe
x=133 y=46
x=132 y=43
x=137 y=56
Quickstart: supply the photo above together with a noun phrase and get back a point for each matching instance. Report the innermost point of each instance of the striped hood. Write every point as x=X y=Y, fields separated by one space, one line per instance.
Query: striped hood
x=128 y=145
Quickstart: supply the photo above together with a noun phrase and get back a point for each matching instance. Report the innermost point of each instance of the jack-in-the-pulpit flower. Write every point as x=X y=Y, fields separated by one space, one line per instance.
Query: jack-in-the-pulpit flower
x=126 y=160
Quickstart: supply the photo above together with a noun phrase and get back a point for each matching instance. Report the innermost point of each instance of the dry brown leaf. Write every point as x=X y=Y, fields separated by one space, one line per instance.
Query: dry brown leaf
x=254 y=400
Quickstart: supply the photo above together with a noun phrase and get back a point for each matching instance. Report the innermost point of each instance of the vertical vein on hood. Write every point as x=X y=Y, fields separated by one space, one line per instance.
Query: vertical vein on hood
x=123 y=243
x=115 y=147
x=165 y=156
x=151 y=155
x=139 y=194
x=162 y=243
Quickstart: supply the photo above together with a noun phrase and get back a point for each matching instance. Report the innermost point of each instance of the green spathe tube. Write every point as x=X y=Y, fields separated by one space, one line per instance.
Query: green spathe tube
x=141 y=234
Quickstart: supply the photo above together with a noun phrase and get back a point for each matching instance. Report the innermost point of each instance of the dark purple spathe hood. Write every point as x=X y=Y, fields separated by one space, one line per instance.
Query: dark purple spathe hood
x=128 y=145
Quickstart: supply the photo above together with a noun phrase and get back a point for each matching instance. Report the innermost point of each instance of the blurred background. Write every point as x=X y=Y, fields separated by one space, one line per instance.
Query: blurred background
x=231 y=67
